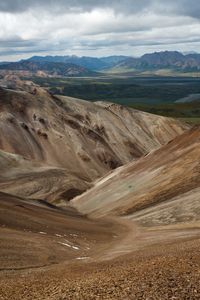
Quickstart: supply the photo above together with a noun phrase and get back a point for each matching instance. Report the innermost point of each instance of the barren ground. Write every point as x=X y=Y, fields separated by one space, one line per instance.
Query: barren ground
x=66 y=256
x=170 y=271
x=134 y=235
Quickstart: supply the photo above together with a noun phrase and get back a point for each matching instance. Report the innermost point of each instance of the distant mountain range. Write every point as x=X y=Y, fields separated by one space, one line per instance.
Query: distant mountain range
x=46 y=68
x=92 y=63
x=172 y=60
x=89 y=66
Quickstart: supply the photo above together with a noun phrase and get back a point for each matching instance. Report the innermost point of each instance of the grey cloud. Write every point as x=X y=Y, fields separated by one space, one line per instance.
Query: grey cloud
x=17 y=43
x=137 y=42
x=48 y=25
x=188 y=8
x=17 y=6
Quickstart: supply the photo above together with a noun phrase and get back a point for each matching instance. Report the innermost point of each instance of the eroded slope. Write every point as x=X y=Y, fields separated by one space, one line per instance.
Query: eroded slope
x=33 y=179
x=161 y=188
x=86 y=139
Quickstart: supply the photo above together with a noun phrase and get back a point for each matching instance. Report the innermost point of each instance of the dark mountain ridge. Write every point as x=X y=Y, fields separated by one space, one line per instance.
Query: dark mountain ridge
x=49 y=68
x=92 y=63
x=173 y=60
x=86 y=66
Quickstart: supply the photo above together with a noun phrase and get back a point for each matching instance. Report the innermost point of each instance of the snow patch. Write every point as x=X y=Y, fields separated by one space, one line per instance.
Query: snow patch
x=65 y=244
x=68 y=245
x=75 y=247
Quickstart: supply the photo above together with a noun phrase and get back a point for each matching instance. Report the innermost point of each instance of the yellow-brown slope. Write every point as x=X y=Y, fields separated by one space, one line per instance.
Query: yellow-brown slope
x=161 y=188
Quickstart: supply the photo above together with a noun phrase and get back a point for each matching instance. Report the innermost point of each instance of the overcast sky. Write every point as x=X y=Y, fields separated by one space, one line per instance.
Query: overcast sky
x=97 y=28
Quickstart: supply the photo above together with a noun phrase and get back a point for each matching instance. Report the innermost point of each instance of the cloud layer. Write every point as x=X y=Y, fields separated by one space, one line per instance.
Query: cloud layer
x=97 y=28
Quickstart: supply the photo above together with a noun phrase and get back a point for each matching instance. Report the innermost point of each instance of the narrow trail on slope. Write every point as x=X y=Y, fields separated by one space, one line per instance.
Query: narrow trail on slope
x=140 y=238
x=122 y=256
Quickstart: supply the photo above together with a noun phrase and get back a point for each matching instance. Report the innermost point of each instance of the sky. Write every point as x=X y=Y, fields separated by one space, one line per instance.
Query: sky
x=97 y=28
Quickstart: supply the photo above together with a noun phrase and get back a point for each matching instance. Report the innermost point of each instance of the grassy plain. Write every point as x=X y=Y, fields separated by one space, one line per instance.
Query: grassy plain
x=154 y=94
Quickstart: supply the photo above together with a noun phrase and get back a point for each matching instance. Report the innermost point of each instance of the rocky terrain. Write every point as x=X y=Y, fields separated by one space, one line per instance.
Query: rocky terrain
x=69 y=141
x=163 y=185
x=164 y=272
x=97 y=201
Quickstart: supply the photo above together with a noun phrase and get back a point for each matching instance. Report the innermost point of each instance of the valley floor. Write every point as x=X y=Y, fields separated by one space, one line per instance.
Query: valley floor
x=123 y=262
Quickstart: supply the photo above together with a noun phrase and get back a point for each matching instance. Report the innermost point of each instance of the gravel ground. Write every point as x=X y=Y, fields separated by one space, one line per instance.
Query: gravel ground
x=159 y=272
